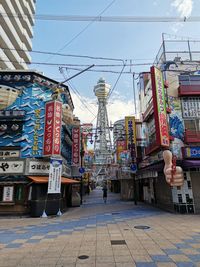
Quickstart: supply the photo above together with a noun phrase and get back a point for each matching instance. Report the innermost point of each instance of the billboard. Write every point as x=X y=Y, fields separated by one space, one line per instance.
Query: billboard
x=52 y=129
x=121 y=146
x=76 y=146
x=159 y=104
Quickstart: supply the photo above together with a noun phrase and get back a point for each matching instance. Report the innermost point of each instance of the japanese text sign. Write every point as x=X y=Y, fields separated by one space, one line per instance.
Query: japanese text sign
x=130 y=127
x=54 y=183
x=159 y=103
x=76 y=146
x=53 y=124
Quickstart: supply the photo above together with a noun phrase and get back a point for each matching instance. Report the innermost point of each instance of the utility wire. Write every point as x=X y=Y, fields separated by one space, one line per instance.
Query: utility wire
x=116 y=81
x=85 y=28
x=76 y=92
x=99 y=18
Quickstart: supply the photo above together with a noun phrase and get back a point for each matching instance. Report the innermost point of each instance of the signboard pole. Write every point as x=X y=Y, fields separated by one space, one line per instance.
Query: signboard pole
x=54 y=183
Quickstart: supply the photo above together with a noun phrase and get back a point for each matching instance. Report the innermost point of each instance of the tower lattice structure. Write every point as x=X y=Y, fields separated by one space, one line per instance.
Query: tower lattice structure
x=102 y=144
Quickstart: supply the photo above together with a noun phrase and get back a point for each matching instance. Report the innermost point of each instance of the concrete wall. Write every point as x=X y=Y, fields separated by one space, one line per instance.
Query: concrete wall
x=163 y=194
x=195 y=180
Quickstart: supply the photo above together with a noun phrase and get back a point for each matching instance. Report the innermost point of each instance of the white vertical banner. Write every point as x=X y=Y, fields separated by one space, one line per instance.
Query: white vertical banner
x=55 y=172
x=8 y=193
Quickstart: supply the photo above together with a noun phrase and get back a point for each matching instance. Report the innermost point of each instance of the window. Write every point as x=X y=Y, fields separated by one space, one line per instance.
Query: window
x=190 y=107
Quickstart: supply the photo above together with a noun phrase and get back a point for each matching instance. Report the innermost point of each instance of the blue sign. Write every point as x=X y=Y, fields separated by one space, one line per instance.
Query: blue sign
x=192 y=152
x=81 y=170
x=133 y=167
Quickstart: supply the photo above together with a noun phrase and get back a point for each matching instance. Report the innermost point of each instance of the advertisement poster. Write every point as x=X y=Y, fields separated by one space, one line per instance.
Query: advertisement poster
x=55 y=173
x=176 y=126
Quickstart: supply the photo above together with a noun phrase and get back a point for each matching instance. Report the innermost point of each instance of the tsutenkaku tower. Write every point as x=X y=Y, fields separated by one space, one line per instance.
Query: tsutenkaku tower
x=102 y=144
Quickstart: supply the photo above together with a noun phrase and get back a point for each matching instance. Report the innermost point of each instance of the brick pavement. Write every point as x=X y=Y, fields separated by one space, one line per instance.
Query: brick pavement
x=105 y=234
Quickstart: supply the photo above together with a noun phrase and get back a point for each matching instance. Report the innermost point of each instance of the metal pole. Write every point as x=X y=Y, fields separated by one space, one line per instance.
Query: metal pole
x=81 y=187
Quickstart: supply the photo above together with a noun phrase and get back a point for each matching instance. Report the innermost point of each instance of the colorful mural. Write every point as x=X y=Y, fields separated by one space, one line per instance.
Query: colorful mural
x=23 y=92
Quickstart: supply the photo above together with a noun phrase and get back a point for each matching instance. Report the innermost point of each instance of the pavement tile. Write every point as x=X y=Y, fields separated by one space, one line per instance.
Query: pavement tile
x=146 y=264
x=166 y=264
x=189 y=251
x=194 y=258
x=102 y=265
x=160 y=258
x=185 y=264
x=126 y=258
x=180 y=258
x=125 y=264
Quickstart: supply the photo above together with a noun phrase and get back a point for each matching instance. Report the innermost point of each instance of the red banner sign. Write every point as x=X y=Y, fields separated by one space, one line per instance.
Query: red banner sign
x=76 y=146
x=52 y=130
x=159 y=103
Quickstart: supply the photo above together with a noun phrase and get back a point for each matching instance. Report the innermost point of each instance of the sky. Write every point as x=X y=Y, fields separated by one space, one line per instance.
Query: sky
x=107 y=44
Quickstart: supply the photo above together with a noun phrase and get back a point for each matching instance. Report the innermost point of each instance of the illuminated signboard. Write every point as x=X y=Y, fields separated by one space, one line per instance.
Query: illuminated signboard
x=160 y=115
x=76 y=146
x=192 y=152
x=52 y=130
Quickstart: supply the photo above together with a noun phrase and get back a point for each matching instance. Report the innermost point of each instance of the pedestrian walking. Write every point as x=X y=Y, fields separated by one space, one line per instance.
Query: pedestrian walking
x=105 y=190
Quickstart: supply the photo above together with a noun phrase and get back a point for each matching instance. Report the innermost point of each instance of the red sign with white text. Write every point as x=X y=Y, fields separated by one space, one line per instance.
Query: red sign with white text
x=52 y=130
x=76 y=146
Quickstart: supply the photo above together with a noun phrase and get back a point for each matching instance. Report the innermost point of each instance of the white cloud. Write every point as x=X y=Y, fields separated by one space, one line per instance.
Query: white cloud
x=117 y=109
x=184 y=9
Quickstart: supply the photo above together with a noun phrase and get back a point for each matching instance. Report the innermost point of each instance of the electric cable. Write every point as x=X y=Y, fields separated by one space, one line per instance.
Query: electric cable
x=99 y=18
x=84 y=29
x=116 y=81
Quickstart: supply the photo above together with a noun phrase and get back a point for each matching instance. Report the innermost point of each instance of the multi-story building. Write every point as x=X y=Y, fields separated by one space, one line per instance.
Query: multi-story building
x=169 y=104
x=15 y=33
x=36 y=121
x=127 y=141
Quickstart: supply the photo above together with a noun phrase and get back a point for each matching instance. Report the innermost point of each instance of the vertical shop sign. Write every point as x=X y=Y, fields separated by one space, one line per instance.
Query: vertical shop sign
x=35 y=149
x=76 y=146
x=130 y=127
x=52 y=130
x=121 y=146
x=8 y=193
x=55 y=172
x=159 y=104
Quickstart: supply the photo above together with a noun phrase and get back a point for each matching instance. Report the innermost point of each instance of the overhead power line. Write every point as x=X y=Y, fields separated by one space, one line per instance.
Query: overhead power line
x=105 y=18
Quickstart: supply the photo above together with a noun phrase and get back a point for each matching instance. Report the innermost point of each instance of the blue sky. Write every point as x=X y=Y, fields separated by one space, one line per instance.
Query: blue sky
x=138 y=42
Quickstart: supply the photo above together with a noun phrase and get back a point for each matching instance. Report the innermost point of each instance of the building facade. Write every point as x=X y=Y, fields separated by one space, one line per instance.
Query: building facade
x=169 y=106
x=36 y=121
x=17 y=20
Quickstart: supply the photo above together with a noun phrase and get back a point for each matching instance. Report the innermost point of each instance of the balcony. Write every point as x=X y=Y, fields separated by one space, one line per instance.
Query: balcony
x=189 y=90
x=148 y=112
x=152 y=147
x=192 y=136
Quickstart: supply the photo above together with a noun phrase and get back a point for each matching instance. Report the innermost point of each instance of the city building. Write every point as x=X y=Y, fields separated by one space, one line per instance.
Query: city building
x=36 y=122
x=127 y=141
x=17 y=20
x=169 y=97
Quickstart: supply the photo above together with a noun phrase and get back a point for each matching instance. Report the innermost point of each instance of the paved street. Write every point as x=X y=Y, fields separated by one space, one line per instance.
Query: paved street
x=104 y=235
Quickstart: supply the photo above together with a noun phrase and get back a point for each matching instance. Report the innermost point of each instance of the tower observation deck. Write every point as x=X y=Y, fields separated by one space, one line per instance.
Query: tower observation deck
x=102 y=144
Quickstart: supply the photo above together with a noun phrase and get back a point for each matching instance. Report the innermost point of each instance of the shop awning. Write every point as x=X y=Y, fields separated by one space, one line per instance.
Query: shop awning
x=13 y=179
x=44 y=180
